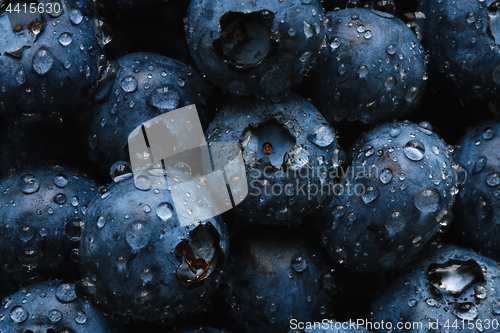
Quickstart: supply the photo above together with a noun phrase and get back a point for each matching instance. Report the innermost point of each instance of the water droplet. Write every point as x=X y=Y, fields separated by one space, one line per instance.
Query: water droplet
x=362 y=71
x=493 y=179
x=142 y=183
x=479 y=165
x=395 y=222
x=26 y=233
x=42 y=61
x=370 y=194
x=488 y=133
x=60 y=198
x=75 y=16
x=414 y=150
x=138 y=234
x=470 y=18
x=81 y=317
x=165 y=211
x=322 y=136
x=129 y=84
x=386 y=176
x=65 y=292
x=411 y=94
x=60 y=180
x=412 y=303
x=101 y=222
x=65 y=39
x=309 y=30
x=299 y=263
x=360 y=28
x=29 y=184
x=390 y=82
x=74 y=229
x=427 y=200
x=120 y=171
x=165 y=98
x=54 y=315
x=20 y=77
x=390 y=49
x=18 y=314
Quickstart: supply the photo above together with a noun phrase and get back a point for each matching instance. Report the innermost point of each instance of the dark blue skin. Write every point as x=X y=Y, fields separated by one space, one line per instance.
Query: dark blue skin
x=448 y=284
x=54 y=71
x=42 y=210
x=463 y=39
x=277 y=274
x=397 y=193
x=255 y=47
x=332 y=326
x=55 y=306
x=139 y=87
x=140 y=262
x=371 y=68
x=304 y=152
x=478 y=205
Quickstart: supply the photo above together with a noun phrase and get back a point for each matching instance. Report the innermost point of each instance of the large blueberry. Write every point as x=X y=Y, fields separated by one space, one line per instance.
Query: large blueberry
x=139 y=87
x=290 y=152
x=372 y=67
x=49 y=59
x=141 y=259
x=51 y=307
x=397 y=193
x=450 y=289
x=255 y=47
x=478 y=202
x=41 y=211
x=463 y=40
x=279 y=276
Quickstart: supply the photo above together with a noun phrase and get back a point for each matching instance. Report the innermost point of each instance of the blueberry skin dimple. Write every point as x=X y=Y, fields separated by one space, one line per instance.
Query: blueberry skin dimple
x=397 y=193
x=478 y=202
x=139 y=87
x=277 y=274
x=49 y=63
x=140 y=260
x=41 y=218
x=290 y=152
x=371 y=68
x=255 y=47
x=447 y=285
x=463 y=40
x=55 y=306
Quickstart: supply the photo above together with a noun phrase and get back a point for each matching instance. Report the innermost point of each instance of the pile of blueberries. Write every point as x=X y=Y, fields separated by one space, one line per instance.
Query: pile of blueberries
x=370 y=137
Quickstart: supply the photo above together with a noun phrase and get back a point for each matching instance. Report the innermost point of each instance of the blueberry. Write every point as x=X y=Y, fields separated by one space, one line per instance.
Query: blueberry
x=445 y=289
x=49 y=60
x=371 y=68
x=51 y=307
x=255 y=47
x=397 y=193
x=279 y=276
x=290 y=152
x=478 y=201
x=42 y=210
x=462 y=38
x=139 y=87
x=330 y=326
x=141 y=260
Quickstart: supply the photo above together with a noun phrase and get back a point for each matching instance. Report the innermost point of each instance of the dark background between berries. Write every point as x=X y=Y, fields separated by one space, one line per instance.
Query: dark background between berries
x=160 y=30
